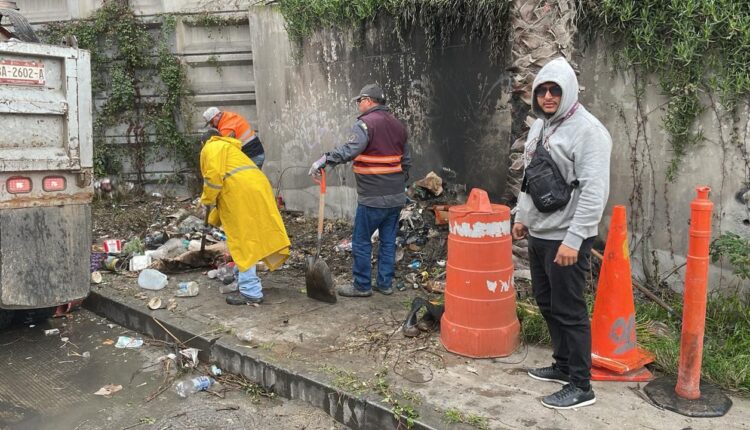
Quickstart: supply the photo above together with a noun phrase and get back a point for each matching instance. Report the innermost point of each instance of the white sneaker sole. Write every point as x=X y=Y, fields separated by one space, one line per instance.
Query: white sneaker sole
x=576 y=406
x=539 y=378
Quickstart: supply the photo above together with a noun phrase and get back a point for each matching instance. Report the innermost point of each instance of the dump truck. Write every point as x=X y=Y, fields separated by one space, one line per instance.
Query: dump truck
x=46 y=165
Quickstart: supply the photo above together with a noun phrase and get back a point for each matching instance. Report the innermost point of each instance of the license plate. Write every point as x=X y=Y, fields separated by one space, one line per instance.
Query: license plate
x=20 y=72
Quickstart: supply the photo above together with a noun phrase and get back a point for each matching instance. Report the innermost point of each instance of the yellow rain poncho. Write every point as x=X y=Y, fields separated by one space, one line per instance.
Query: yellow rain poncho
x=244 y=205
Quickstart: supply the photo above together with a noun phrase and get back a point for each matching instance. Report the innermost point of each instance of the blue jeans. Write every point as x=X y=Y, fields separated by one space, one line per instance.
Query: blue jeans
x=259 y=159
x=249 y=283
x=366 y=221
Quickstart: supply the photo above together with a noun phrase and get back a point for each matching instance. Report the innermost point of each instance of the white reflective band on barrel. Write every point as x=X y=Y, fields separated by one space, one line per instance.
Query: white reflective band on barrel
x=481 y=229
x=492 y=286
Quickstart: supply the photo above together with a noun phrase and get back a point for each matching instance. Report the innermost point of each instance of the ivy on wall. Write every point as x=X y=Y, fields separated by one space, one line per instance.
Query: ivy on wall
x=693 y=46
x=128 y=60
x=439 y=19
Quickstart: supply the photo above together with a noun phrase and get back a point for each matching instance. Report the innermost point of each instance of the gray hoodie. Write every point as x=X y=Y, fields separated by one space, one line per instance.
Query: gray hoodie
x=581 y=147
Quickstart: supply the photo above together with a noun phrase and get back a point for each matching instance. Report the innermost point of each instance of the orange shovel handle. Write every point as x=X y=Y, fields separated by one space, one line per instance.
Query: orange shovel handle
x=321 y=181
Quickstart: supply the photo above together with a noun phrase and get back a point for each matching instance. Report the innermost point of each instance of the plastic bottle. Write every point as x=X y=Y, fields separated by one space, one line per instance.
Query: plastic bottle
x=194 y=245
x=171 y=248
x=151 y=279
x=187 y=289
x=190 y=386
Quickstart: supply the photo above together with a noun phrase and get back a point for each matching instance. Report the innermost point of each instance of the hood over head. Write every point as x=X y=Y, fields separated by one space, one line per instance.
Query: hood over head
x=559 y=72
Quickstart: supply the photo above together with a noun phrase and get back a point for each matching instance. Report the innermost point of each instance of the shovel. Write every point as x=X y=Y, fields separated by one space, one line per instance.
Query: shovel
x=318 y=279
x=205 y=228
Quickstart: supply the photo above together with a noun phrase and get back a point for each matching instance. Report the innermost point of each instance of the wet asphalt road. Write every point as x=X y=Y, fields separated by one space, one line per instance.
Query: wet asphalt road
x=47 y=382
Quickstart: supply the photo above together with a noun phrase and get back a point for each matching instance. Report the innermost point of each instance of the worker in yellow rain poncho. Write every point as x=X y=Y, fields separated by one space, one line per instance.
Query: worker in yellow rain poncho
x=244 y=205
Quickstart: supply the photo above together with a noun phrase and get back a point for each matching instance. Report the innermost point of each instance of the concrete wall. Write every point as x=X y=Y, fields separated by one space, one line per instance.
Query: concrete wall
x=457 y=110
x=217 y=58
x=455 y=105
x=659 y=210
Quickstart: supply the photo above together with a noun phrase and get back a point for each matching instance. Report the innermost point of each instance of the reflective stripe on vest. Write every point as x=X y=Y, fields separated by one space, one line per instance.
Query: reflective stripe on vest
x=378 y=159
x=211 y=185
x=247 y=136
x=383 y=164
x=376 y=170
x=238 y=169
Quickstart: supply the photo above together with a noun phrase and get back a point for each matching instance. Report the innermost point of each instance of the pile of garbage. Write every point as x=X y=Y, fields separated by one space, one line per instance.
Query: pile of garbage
x=423 y=231
x=181 y=241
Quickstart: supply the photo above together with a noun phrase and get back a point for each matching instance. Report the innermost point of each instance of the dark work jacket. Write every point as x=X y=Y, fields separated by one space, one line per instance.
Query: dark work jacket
x=378 y=143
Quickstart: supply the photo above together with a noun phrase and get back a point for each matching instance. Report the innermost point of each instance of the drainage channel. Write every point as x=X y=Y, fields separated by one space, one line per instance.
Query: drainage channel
x=354 y=412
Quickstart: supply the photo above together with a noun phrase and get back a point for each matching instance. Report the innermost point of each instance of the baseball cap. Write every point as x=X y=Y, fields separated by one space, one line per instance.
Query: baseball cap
x=371 y=90
x=210 y=113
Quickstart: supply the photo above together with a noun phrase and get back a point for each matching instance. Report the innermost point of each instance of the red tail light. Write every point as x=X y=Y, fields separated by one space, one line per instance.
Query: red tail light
x=18 y=185
x=53 y=183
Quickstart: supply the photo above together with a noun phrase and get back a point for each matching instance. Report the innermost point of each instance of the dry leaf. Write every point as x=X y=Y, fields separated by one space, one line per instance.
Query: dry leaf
x=108 y=390
x=108 y=342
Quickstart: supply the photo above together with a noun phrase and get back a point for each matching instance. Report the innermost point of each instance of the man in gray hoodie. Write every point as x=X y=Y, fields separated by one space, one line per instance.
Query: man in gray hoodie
x=560 y=241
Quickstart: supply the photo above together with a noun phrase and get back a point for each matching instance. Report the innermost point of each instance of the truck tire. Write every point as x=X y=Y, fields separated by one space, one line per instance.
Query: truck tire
x=21 y=27
x=34 y=316
x=6 y=317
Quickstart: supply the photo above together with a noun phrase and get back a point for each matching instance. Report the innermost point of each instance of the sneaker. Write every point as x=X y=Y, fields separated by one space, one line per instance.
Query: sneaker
x=239 y=299
x=549 y=374
x=350 y=290
x=387 y=291
x=231 y=288
x=570 y=397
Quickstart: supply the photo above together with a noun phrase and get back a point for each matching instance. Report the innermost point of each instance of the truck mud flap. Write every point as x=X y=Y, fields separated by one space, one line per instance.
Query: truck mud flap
x=44 y=255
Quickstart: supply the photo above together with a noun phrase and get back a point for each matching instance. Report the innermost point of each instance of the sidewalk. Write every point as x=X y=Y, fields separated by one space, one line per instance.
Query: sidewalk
x=351 y=360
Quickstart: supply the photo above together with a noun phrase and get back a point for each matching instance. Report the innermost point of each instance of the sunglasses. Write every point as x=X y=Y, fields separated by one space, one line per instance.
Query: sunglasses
x=554 y=90
x=359 y=100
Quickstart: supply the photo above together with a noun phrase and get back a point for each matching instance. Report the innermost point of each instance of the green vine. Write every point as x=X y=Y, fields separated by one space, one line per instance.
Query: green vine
x=123 y=65
x=736 y=249
x=693 y=46
x=439 y=19
x=207 y=19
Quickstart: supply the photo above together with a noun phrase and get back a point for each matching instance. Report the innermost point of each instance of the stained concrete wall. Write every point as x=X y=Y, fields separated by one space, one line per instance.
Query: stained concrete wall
x=217 y=59
x=454 y=103
x=456 y=107
x=659 y=210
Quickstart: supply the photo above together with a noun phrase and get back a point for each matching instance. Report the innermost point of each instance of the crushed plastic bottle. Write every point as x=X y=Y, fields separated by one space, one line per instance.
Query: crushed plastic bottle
x=187 y=289
x=190 y=386
x=151 y=279
x=229 y=288
x=224 y=273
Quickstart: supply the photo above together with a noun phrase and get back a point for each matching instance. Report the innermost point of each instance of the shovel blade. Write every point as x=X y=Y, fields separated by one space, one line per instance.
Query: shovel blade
x=319 y=282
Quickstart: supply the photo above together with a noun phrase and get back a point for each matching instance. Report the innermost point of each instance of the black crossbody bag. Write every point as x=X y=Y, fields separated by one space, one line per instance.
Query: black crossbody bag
x=542 y=179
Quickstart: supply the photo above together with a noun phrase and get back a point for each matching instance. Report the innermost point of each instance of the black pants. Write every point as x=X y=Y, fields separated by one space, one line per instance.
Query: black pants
x=559 y=293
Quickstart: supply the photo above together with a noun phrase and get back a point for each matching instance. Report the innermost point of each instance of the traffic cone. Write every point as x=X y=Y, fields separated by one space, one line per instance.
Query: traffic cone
x=615 y=354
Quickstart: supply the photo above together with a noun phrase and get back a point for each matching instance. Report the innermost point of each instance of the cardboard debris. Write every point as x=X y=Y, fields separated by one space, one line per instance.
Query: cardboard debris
x=192 y=259
x=432 y=182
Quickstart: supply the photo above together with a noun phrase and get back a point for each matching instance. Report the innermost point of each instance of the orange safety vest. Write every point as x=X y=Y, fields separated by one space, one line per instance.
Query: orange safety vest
x=377 y=164
x=233 y=122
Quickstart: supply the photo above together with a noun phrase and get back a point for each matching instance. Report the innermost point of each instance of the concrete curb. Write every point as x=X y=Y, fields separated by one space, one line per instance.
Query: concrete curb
x=355 y=412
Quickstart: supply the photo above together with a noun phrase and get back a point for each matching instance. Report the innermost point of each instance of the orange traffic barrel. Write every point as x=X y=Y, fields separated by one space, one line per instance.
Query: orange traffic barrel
x=480 y=299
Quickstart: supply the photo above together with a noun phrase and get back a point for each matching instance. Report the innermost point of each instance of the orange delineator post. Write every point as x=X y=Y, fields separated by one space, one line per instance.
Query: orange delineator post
x=686 y=394
x=615 y=354
x=695 y=297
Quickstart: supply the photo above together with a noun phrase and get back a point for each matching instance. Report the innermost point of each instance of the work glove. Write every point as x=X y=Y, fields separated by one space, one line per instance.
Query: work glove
x=320 y=163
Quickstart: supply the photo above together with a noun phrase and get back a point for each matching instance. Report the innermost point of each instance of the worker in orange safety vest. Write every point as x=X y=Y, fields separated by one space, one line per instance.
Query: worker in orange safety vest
x=231 y=124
